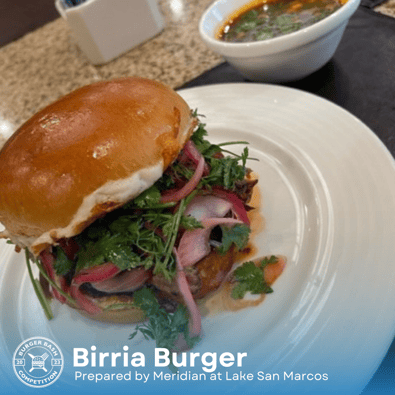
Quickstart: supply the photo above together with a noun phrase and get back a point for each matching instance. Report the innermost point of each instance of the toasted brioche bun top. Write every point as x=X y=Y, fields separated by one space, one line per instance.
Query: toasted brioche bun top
x=87 y=154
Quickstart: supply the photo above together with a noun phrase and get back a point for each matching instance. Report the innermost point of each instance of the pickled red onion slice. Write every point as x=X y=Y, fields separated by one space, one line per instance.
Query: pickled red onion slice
x=93 y=274
x=177 y=195
x=96 y=273
x=195 y=325
x=194 y=244
x=194 y=154
x=48 y=260
x=83 y=302
x=206 y=206
x=238 y=205
x=127 y=281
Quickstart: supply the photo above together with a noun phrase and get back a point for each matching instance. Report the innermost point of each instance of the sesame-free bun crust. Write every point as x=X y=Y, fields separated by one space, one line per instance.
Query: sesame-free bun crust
x=86 y=154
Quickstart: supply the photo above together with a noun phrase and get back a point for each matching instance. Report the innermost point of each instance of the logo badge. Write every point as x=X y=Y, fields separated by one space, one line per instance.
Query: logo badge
x=38 y=362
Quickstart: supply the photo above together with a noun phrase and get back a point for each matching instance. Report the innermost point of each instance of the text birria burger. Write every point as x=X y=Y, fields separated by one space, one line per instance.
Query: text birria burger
x=209 y=362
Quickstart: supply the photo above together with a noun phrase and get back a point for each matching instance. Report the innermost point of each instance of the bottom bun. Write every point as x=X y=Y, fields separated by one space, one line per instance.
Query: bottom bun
x=116 y=309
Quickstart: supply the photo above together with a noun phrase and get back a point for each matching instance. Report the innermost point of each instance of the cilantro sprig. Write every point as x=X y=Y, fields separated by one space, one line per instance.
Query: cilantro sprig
x=250 y=277
x=163 y=327
x=225 y=171
x=237 y=235
x=62 y=264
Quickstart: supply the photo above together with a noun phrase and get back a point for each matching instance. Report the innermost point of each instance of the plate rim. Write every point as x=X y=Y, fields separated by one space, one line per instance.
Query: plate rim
x=201 y=90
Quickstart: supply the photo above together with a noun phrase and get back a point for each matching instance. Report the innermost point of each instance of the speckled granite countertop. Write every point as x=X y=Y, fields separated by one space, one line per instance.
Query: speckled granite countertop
x=46 y=64
x=387 y=8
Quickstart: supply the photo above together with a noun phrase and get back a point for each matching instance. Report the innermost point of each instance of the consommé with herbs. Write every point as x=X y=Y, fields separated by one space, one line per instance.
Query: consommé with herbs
x=261 y=20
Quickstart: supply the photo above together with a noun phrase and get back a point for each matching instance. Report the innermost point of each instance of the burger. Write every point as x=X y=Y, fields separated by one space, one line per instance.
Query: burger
x=114 y=189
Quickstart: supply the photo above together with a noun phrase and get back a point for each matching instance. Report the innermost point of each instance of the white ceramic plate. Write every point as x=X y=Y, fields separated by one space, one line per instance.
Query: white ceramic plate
x=328 y=197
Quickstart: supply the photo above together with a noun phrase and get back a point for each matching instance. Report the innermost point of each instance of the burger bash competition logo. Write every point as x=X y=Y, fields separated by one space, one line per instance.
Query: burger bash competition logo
x=38 y=362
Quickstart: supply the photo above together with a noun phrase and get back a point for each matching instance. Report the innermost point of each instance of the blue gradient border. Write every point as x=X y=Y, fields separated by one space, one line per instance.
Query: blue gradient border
x=341 y=381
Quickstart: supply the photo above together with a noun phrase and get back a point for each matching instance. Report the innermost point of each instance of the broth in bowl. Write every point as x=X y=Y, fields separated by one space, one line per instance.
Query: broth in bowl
x=262 y=20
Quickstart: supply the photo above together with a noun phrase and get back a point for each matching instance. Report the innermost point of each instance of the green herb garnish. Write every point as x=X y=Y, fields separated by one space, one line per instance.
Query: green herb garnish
x=237 y=235
x=143 y=234
x=38 y=289
x=53 y=284
x=149 y=198
x=224 y=171
x=165 y=328
x=62 y=263
x=250 y=278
